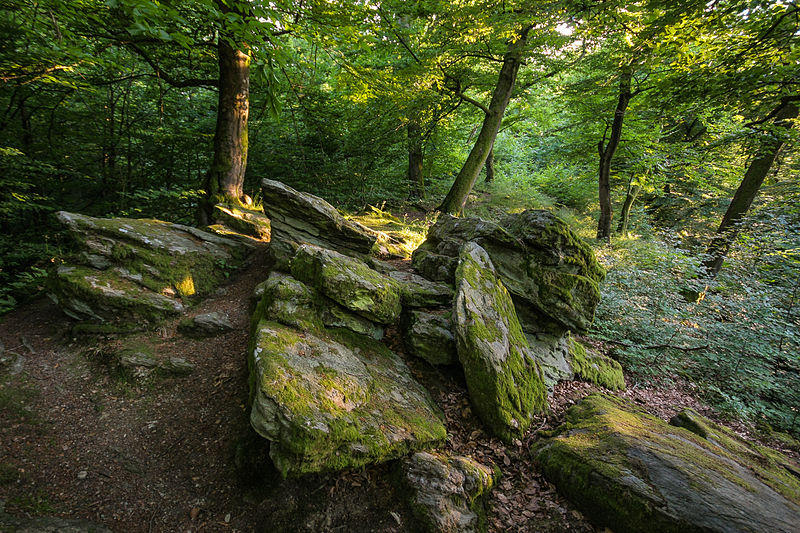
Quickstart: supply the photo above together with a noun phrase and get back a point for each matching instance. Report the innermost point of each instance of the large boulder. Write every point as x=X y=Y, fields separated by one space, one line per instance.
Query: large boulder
x=302 y=218
x=349 y=282
x=504 y=382
x=329 y=400
x=131 y=269
x=632 y=472
x=446 y=492
x=540 y=260
x=429 y=336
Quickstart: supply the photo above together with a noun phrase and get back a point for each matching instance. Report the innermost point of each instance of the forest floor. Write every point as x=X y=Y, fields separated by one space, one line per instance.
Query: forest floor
x=177 y=454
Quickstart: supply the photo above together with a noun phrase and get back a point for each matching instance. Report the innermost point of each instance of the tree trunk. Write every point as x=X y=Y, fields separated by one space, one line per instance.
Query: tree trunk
x=625 y=212
x=226 y=177
x=607 y=153
x=747 y=191
x=457 y=197
x=490 y=166
x=416 y=182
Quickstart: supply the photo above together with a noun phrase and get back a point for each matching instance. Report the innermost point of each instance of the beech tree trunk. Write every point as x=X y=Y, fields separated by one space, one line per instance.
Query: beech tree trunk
x=607 y=153
x=416 y=182
x=462 y=186
x=747 y=191
x=226 y=177
x=490 y=166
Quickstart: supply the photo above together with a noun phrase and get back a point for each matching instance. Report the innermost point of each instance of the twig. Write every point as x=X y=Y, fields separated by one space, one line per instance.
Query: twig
x=659 y=346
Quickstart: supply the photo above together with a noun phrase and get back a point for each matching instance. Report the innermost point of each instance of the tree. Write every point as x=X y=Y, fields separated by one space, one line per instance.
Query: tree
x=757 y=171
x=454 y=202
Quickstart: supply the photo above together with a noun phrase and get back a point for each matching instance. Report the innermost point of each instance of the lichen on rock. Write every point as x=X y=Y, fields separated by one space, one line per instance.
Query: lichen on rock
x=631 y=471
x=139 y=270
x=446 y=492
x=504 y=382
x=349 y=282
x=329 y=400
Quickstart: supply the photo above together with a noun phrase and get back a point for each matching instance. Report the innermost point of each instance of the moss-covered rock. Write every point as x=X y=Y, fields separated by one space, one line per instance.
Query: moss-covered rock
x=242 y=220
x=429 y=336
x=301 y=218
x=333 y=399
x=632 y=472
x=88 y=294
x=293 y=303
x=446 y=492
x=349 y=282
x=551 y=353
x=504 y=382
x=595 y=367
x=288 y=301
x=133 y=270
x=417 y=292
x=540 y=260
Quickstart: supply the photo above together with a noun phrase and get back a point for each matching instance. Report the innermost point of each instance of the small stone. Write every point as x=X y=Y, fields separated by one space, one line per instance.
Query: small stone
x=206 y=325
x=228 y=518
x=194 y=513
x=82 y=474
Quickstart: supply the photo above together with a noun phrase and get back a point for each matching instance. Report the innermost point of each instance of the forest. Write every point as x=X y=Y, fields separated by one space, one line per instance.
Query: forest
x=661 y=132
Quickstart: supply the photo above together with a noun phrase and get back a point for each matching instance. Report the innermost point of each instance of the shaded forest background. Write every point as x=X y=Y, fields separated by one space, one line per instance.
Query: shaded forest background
x=109 y=108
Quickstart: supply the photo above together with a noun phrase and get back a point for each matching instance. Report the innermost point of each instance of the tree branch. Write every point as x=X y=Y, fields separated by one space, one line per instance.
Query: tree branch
x=189 y=82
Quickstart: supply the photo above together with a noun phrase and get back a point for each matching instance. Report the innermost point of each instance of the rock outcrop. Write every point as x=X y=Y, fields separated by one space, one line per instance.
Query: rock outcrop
x=332 y=399
x=301 y=218
x=538 y=258
x=139 y=270
x=429 y=336
x=446 y=492
x=349 y=282
x=504 y=382
x=241 y=220
x=632 y=472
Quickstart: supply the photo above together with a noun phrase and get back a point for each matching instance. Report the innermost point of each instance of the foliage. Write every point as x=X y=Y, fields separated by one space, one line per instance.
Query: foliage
x=736 y=340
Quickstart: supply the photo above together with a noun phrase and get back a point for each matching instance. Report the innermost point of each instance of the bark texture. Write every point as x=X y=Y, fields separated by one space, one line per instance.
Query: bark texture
x=226 y=176
x=454 y=201
x=416 y=182
x=747 y=191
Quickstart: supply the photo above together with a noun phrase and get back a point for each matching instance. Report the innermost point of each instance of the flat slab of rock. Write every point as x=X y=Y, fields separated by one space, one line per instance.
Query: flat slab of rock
x=349 y=282
x=446 y=491
x=131 y=269
x=329 y=400
x=302 y=218
x=206 y=325
x=242 y=220
x=633 y=472
x=504 y=382
x=540 y=260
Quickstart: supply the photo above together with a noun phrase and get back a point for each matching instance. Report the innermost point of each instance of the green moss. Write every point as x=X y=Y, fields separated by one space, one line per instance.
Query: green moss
x=590 y=456
x=349 y=282
x=329 y=419
x=127 y=300
x=505 y=394
x=595 y=368
x=768 y=465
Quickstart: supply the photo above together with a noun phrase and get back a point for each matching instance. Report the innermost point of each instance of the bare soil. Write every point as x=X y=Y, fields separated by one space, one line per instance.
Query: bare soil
x=177 y=453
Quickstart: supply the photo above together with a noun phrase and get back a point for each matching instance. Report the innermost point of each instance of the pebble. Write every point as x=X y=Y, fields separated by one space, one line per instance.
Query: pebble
x=82 y=474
